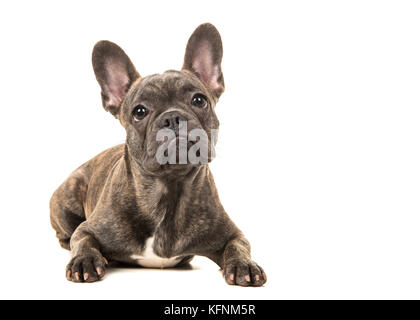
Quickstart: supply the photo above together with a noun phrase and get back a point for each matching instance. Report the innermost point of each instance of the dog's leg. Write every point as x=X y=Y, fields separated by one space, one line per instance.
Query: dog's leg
x=87 y=263
x=238 y=267
x=66 y=208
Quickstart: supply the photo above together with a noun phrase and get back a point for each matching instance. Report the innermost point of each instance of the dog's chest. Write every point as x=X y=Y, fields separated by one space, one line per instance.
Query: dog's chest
x=148 y=258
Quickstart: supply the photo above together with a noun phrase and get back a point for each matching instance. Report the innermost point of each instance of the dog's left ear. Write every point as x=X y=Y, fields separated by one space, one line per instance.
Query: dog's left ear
x=203 y=57
x=115 y=74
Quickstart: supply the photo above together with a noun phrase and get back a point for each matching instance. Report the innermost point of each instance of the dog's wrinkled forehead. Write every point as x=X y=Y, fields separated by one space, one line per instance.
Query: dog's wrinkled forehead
x=159 y=90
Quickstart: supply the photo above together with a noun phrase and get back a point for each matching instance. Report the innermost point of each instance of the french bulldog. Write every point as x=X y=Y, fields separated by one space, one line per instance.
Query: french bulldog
x=126 y=206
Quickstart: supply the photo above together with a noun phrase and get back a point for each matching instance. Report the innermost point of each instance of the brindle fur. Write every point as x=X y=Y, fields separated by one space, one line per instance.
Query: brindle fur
x=110 y=205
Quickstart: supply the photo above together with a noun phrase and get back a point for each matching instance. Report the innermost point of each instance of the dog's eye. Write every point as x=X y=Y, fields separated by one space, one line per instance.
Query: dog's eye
x=199 y=100
x=140 y=112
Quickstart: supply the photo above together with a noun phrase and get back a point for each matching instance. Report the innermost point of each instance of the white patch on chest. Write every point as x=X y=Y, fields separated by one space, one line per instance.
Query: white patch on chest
x=149 y=259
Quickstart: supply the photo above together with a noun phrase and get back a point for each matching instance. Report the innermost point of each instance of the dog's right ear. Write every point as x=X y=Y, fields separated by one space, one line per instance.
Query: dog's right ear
x=203 y=57
x=115 y=73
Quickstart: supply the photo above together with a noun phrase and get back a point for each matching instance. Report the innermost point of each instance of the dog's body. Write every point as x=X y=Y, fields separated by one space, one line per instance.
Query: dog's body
x=123 y=205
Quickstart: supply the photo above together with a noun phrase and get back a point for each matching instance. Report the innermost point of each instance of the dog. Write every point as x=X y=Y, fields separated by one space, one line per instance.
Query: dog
x=127 y=206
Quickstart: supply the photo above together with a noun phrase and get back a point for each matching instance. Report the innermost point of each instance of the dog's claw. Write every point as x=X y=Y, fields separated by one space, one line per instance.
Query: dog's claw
x=100 y=272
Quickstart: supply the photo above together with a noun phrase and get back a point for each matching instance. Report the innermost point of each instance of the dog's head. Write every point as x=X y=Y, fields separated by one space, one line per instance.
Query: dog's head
x=165 y=115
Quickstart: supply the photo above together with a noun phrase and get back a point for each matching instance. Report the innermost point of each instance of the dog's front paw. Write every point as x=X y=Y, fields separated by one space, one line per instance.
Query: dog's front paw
x=244 y=273
x=86 y=268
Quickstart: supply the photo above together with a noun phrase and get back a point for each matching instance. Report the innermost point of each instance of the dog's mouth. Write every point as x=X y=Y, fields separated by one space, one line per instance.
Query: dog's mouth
x=179 y=145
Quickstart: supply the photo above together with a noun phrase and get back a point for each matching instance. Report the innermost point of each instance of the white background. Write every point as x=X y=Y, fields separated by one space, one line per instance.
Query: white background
x=318 y=161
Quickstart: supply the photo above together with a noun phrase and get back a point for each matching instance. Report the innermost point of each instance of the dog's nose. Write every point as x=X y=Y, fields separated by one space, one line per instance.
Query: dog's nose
x=173 y=121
